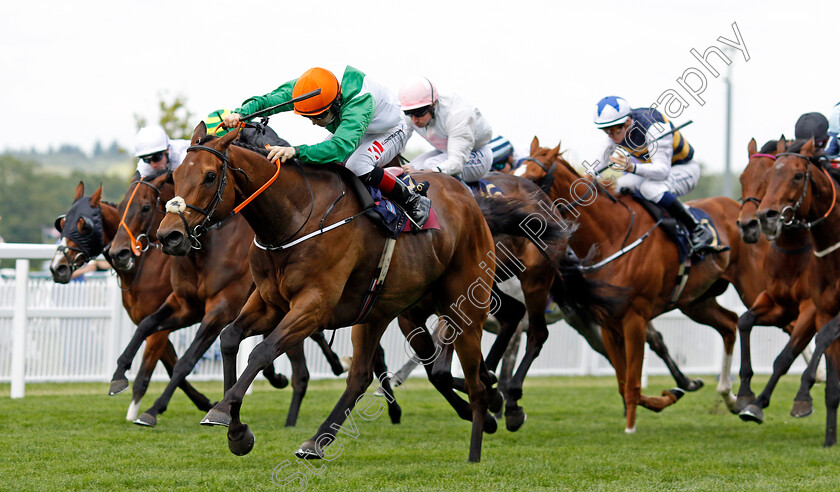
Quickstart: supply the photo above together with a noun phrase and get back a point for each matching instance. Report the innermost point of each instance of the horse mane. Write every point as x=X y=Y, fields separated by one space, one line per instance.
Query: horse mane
x=796 y=148
x=769 y=147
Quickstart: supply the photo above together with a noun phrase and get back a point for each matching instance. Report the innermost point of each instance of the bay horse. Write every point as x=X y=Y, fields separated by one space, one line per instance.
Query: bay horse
x=786 y=300
x=92 y=227
x=312 y=274
x=211 y=285
x=800 y=191
x=608 y=227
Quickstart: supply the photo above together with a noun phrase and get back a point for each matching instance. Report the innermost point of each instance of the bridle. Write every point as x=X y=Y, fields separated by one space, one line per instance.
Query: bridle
x=752 y=199
x=788 y=213
x=142 y=242
x=548 y=180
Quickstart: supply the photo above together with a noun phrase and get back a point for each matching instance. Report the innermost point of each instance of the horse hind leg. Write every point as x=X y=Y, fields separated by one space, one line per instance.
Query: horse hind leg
x=380 y=370
x=300 y=381
x=802 y=404
x=657 y=344
x=337 y=366
x=832 y=393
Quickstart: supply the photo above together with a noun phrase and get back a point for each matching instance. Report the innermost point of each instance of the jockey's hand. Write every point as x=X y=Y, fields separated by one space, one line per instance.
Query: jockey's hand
x=282 y=153
x=408 y=168
x=232 y=120
x=620 y=161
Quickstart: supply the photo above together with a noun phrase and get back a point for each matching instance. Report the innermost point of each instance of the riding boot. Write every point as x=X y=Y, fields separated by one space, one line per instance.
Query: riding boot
x=701 y=236
x=416 y=206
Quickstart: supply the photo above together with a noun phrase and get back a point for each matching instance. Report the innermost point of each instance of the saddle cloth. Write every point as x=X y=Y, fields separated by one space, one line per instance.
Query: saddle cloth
x=389 y=216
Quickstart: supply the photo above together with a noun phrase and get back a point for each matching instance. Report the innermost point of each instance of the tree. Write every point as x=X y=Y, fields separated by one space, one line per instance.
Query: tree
x=174 y=117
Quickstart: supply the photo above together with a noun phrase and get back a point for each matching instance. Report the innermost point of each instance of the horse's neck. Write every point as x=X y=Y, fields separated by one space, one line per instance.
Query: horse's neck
x=826 y=233
x=602 y=222
x=110 y=222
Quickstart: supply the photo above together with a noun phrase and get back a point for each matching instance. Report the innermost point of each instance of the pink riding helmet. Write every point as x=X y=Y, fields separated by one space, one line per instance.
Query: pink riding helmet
x=417 y=93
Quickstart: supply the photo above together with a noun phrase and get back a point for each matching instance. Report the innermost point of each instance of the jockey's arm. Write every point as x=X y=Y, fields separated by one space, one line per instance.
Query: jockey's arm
x=461 y=128
x=660 y=151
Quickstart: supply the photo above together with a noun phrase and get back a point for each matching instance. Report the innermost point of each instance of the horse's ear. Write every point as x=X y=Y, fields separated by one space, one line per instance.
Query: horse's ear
x=752 y=148
x=80 y=190
x=535 y=144
x=781 y=145
x=228 y=138
x=96 y=197
x=808 y=148
x=200 y=131
x=783 y=140
x=555 y=152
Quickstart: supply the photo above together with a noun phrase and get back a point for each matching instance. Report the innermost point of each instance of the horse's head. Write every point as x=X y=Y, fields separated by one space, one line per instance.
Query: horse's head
x=790 y=189
x=141 y=211
x=537 y=165
x=82 y=235
x=202 y=195
x=754 y=185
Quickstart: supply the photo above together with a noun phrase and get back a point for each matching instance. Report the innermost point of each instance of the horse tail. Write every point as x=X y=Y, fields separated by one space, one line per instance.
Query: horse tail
x=523 y=217
x=589 y=300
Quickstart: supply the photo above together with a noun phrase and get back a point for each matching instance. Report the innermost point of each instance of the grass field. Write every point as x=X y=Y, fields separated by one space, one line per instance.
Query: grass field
x=74 y=437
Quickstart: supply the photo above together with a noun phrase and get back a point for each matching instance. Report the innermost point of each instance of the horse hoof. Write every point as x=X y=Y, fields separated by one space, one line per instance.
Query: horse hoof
x=694 y=385
x=630 y=430
x=742 y=402
x=279 y=382
x=118 y=386
x=146 y=419
x=216 y=417
x=802 y=409
x=490 y=424
x=345 y=362
x=309 y=451
x=514 y=418
x=243 y=445
x=752 y=414
x=395 y=413
x=496 y=401
x=677 y=392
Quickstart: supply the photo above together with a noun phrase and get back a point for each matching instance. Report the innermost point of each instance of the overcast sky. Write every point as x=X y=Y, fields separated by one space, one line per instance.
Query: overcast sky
x=77 y=72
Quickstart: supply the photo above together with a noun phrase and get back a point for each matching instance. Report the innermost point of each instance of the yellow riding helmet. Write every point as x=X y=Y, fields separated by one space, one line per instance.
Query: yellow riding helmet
x=312 y=79
x=214 y=121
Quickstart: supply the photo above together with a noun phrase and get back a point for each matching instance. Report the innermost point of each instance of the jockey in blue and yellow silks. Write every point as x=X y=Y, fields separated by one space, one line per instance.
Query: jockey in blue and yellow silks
x=658 y=161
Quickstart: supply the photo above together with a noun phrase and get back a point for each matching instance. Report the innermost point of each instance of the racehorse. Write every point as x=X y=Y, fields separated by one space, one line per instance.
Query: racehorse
x=208 y=282
x=801 y=192
x=787 y=263
x=311 y=272
x=608 y=226
x=93 y=224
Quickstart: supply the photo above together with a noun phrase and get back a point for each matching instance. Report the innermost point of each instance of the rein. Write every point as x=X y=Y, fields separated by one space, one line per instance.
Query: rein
x=136 y=243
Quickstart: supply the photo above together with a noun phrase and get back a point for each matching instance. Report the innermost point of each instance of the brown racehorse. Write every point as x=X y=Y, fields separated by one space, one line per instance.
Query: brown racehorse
x=143 y=288
x=608 y=225
x=198 y=281
x=800 y=192
x=320 y=282
x=787 y=262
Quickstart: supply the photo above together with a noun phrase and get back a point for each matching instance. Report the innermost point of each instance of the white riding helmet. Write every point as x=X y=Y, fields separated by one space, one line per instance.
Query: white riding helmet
x=150 y=139
x=417 y=93
x=611 y=111
x=834 y=120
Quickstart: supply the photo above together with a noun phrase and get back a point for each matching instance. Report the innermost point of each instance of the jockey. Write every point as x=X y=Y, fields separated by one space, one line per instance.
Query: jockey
x=812 y=125
x=659 y=164
x=503 y=160
x=363 y=117
x=832 y=149
x=454 y=127
x=156 y=151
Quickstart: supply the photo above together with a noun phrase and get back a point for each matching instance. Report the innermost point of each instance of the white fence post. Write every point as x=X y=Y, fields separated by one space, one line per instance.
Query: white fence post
x=19 y=329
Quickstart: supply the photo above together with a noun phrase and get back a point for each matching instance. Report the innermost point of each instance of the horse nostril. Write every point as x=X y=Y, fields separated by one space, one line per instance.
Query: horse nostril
x=60 y=273
x=770 y=214
x=123 y=255
x=173 y=239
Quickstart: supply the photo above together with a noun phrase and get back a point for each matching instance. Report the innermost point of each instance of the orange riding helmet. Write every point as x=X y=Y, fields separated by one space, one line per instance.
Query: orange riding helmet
x=312 y=79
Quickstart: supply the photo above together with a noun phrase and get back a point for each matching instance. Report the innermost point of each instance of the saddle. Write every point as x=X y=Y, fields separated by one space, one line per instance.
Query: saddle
x=677 y=231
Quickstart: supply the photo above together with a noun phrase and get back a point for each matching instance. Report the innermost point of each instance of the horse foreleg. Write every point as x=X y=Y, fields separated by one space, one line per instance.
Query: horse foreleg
x=725 y=322
x=657 y=344
x=509 y=315
x=832 y=393
x=380 y=370
x=764 y=311
x=802 y=333
x=172 y=314
x=365 y=341
x=300 y=381
x=802 y=404
x=153 y=352
x=212 y=324
x=634 y=351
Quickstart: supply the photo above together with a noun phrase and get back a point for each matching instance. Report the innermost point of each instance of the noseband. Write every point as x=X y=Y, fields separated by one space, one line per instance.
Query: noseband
x=789 y=212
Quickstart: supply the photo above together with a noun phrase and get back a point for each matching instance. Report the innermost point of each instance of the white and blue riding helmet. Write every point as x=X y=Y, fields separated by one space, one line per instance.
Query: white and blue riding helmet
x=834 y=120
x=611 y=111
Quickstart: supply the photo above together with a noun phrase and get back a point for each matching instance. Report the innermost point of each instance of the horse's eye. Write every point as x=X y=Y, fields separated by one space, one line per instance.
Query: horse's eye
x=146 y=207
x=798 y=176
x=209 y=177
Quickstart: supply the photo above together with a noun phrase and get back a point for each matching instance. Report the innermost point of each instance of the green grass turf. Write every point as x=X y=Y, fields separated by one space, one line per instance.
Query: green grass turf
x=74 y=437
